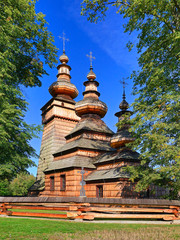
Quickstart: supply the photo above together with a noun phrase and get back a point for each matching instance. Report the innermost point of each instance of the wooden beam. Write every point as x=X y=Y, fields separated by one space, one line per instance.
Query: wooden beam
x=101 y=209
x=48 y=215
x=44 y=204
x=131 y=216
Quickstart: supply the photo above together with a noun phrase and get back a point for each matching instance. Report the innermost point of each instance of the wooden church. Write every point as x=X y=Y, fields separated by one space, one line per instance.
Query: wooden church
x=80 y=155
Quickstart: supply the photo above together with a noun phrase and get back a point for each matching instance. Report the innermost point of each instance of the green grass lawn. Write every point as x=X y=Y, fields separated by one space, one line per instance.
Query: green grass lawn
x=22 y=228
x=37 y=211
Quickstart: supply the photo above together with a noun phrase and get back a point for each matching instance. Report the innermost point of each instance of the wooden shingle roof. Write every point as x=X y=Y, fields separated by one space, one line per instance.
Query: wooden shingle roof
x=112 y=173
x=75 y=161
x=83 y=143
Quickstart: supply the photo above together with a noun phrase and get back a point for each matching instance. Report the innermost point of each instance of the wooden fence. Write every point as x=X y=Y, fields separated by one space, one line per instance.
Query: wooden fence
x=90 y=208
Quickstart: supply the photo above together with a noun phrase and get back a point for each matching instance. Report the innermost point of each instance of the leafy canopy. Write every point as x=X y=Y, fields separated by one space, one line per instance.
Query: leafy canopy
x=156 y=85
x=19 y=186
x=25 y=45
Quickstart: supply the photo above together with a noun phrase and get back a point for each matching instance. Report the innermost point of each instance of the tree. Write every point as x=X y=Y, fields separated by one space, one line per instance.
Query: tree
x=156 y=121
x=4 y=188
x=20 y=185
x=25 y=44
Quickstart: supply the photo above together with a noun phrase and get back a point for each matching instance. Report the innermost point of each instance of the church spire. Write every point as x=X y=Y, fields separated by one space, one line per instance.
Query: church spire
x=123 y=136
x=63 y=86
x=91 y=75
x=124 y=105
x=91 y=103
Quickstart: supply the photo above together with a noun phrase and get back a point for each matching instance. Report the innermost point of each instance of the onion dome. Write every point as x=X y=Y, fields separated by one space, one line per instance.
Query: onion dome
x=91 y=75
x=91 y=103
x=64 y=58
x=63 y=86
x=122 y=136
x=123 y=105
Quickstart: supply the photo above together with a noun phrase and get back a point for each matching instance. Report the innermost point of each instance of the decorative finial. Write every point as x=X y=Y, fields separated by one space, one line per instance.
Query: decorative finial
x=91 y=58
x=124 y=86
x=64 y=40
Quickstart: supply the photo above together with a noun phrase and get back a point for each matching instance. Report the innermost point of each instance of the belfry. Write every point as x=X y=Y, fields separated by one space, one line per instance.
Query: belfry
x=58 y=119
x=80 y=155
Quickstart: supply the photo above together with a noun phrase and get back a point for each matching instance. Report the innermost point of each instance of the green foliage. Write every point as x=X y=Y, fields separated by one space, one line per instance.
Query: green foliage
x=24 y=39
x=15 y=134
x=20 y=185
x=125 y=121
x=25 y=43
x=4 y=188
x=156 y=85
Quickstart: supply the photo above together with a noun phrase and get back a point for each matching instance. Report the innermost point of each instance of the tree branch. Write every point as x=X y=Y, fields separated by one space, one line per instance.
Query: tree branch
x=176 y=4
x=120 y=2
x=162 y=19
x=156 y=15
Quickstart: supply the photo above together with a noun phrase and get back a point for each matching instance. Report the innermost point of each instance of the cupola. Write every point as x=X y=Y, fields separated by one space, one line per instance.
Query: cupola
x=123 y=136
x=91 y=103
x=63 y=86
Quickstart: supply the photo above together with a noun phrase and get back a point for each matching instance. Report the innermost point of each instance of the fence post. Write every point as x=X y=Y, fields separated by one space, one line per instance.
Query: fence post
x=3 y=209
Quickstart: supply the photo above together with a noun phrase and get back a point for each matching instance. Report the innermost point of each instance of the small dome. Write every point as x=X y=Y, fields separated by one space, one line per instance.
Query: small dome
x=123 y=105
x=64 y=58
x=91 y=75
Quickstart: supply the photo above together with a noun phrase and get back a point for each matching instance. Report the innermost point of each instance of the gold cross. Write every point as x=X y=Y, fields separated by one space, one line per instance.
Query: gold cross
x=91 y=58
x=64 y=40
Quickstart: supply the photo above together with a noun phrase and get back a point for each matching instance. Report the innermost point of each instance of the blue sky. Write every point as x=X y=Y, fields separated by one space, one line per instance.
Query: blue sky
x=106 y=40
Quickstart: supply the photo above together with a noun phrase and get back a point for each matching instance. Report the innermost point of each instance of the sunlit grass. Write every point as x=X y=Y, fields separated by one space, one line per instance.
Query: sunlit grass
x=22 y=228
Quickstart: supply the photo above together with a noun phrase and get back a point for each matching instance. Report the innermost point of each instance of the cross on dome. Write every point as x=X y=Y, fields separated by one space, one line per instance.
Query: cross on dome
x=124 y=85
x=91 y=58
x=64 y=41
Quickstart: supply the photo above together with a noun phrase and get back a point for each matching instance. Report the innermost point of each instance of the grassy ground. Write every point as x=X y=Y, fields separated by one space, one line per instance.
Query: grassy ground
x=19 y=228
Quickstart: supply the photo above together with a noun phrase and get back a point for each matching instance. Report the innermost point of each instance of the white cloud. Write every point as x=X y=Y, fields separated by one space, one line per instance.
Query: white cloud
x=108 y=34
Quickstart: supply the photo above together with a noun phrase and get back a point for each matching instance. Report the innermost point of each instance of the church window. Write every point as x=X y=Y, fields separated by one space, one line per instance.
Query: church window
x=99 y=191
x=51 y=183
x=63 y=182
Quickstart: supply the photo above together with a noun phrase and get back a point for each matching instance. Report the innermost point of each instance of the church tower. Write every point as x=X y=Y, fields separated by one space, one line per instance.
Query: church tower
x=58 y=118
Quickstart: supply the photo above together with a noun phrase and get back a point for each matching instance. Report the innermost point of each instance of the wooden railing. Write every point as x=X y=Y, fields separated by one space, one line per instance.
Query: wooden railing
x=91 y=208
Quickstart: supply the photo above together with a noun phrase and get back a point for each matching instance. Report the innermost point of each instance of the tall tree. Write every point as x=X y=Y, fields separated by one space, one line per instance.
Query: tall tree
x=156 y=121
x=25 y=44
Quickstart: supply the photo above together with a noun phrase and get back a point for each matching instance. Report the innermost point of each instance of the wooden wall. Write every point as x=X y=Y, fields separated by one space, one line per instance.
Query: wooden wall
x=121 y=188
x=73 y=178
x=59 y=119
x=117 y=189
